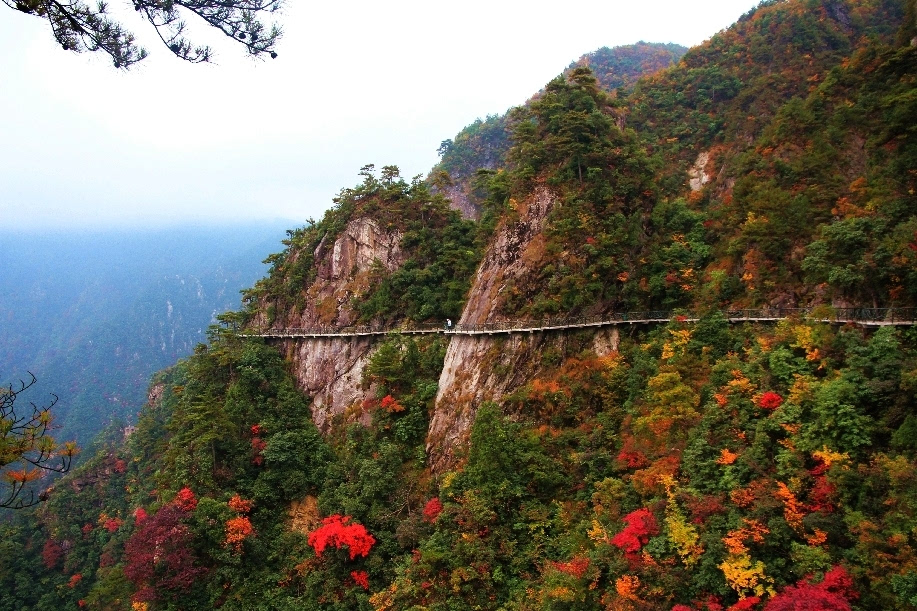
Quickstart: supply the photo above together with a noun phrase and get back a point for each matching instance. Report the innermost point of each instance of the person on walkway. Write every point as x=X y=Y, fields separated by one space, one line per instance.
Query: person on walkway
x=448 y=324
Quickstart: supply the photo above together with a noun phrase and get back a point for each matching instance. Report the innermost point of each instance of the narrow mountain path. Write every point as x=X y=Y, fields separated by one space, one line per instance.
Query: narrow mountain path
x=867 y=317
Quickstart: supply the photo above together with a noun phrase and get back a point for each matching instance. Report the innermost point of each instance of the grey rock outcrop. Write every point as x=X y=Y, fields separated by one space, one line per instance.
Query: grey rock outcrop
x=330 y=370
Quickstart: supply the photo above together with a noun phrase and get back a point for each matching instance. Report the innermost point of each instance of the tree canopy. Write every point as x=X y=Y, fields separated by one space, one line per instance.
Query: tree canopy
x=79 y=26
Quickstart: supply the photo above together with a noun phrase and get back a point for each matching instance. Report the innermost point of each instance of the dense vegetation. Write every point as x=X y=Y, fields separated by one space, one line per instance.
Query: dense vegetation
x=620 y=68
x=700 y=466
x=483 y=145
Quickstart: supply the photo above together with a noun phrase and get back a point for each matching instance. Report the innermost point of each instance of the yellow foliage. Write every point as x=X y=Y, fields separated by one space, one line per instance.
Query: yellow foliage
x=900 y=470
x=448 y=479
x=138 y=606
x=667 y=351
x=561 y=593
x=597 y=532
x=683 y=535
x=828 y=457
x=680 y=337
x=801 y=390
x=744 y=576
x=805 y=341
x=803 y=335
x=740 y=383
x=384 y=600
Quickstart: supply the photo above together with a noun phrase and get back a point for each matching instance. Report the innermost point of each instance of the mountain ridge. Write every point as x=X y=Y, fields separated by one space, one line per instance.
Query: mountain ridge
x=686 y=466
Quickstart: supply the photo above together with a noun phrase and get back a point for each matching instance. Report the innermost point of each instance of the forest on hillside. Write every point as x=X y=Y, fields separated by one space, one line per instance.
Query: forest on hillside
x=688 y=466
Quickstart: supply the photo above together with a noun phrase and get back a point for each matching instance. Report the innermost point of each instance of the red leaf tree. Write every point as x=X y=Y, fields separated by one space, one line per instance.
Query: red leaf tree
x=159 y=556
x=338 y=531
x=641 y=525
x=832 y=594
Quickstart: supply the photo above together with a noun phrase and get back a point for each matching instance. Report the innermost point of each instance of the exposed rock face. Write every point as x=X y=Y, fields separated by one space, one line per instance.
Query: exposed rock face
x=344 y=268
x=697 y=174
x=330 y=370
x=517 y=246
x=304 y=515
x=459 y=200
x=486 y=368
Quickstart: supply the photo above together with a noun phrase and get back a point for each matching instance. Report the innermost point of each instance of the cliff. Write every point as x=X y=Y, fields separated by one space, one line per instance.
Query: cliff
x=330 y=371
x=483 y=368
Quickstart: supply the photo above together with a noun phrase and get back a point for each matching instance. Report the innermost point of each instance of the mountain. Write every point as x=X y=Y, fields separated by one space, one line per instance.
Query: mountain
x=483 y=144
x=683 y=458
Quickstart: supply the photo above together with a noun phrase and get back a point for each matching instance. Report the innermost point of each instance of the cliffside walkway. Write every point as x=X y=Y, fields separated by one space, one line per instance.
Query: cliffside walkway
x=867 y=317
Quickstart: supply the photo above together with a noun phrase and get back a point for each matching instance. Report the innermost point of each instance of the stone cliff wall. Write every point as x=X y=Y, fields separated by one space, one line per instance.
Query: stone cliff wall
x=330 y=370
x=486 y=368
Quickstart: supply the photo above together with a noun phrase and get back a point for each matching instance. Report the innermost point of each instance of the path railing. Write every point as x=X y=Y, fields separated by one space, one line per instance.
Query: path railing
x=869 y=317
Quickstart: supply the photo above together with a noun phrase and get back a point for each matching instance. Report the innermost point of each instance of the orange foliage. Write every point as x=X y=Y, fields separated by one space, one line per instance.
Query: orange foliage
x=627 y=586
x=237 y=530
x=735 y=539
x=793 y=510
x=540 y=388
x=237 y=503
x=726 y=457
x=22 y=476
x=648 y=481
x=819 y=537
x=744 y=497
x=391 y=405
x=576 y=567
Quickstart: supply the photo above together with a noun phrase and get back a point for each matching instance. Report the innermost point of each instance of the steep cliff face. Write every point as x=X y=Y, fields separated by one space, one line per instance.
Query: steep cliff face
x=343 y=269
x=330 y=370
x=486 y=368
x=513 y=254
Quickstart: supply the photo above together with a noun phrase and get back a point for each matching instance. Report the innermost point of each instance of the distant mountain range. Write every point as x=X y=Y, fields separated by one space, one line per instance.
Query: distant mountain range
x=93 y=314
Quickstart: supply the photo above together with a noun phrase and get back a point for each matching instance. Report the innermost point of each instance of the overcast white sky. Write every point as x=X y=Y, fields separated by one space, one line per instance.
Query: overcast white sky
x=356 y=82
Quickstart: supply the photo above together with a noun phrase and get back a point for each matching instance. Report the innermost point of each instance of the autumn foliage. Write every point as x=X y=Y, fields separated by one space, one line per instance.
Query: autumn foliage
x=641 y=525
x=432 y=510
x=159 y=555
x=185 y=500
x=834 y=593
x=237 y=530
x=361 y=578
x=337 y=531
x=770 y=400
